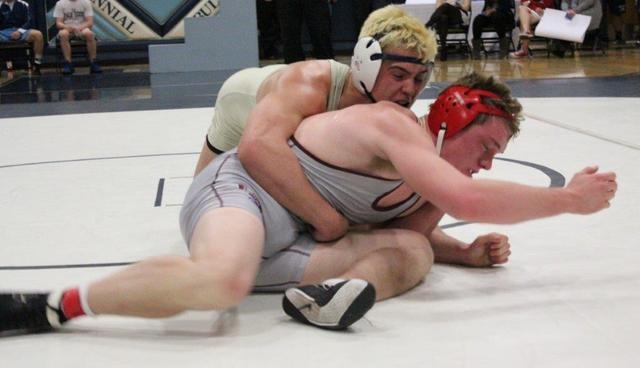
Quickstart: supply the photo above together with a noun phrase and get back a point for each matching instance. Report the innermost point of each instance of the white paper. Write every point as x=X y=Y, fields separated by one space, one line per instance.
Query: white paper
x=554 y=24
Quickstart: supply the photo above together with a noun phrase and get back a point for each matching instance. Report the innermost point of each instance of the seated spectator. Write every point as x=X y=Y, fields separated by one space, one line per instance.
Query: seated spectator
x=74 y=19
x=496 y=14
x=638 y=17
x=16 y=24
x=614 y=10
x=529 y=14
x=449 y=14
x=268 y=29
x=363 y=8
x=592 y=8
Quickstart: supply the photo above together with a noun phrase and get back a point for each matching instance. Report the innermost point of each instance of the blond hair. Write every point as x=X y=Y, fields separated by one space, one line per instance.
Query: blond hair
x=392 y=26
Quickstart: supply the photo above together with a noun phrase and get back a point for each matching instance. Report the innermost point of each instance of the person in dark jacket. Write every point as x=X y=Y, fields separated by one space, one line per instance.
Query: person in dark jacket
x=16 y=24
x=498 y=14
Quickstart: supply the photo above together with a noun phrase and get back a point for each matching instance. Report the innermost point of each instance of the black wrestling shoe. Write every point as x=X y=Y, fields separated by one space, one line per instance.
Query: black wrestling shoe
x=29 y=312
x=335 y=304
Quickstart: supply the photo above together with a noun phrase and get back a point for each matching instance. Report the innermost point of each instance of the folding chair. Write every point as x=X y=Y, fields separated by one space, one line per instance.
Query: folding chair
x=16 y=52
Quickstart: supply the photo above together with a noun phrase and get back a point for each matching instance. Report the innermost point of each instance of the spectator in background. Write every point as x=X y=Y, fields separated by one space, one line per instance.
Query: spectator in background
x=612 y=12
x=317 y=16
x=268 y=29
x=16 y=23
x=592 y=8
x=529 y=14
x=364 y=7
x=498 y=14
x=448 y=14
x=74 y=20
x=638 y=18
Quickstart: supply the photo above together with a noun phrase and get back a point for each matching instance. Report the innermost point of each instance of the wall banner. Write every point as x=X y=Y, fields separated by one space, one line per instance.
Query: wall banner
x=122 y=20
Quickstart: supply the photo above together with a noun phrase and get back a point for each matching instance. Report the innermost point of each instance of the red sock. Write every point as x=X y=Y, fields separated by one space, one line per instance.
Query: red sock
x=70 y=303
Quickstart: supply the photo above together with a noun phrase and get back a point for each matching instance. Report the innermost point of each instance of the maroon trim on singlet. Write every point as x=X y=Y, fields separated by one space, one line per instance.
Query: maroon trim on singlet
x=374 y=205
x=215 y=178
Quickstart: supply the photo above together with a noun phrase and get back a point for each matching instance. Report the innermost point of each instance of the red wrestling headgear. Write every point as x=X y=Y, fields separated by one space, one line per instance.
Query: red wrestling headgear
x=457 y=106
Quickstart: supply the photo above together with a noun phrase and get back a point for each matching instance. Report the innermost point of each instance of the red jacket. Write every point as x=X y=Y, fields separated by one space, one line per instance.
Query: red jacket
x=541 y=4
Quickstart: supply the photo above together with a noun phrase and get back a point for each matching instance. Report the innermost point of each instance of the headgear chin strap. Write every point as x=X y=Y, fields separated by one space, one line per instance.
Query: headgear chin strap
x=367 y=60
x=458 y=106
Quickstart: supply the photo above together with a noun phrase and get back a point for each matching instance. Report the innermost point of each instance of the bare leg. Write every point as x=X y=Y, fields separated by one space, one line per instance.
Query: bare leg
x=393 y=260
x=530 y=21
x=525 y=19
x=206 y=156
x=525 y=31
x=64 y=36
x=90 y=39
x=226 y=247
x=35 y=37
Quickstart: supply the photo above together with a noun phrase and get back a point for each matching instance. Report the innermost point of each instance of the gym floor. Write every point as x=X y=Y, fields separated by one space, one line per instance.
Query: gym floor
x=92 y=174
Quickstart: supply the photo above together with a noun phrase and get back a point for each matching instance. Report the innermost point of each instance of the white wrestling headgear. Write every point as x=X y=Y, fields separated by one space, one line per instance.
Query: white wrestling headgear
x=367 y=60
x=365 y=63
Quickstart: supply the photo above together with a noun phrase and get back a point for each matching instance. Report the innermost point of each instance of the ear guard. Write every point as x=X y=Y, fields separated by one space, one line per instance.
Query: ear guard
x=366 y=62
x=458 y=106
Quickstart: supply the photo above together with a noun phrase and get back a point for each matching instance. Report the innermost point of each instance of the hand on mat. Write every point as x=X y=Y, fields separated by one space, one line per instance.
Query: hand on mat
x=488 y=250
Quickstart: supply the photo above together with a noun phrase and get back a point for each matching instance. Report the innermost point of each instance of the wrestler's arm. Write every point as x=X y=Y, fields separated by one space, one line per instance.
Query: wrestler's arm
x=485 y=250
x=481 y=200
x=264 y=152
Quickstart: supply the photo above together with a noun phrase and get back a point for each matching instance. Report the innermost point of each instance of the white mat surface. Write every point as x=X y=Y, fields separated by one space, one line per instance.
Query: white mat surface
x=81 y=189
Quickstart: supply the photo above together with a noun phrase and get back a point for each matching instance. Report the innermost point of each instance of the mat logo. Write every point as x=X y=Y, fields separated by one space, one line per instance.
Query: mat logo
x=152 y=19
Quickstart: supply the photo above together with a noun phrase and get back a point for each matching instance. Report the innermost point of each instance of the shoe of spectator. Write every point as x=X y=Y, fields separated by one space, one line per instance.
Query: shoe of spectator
x=526 y=35
x=36 y=69
x=95 y=68
x=519 y=54
x=334 y=304
x=67 y=68
x=558 y=48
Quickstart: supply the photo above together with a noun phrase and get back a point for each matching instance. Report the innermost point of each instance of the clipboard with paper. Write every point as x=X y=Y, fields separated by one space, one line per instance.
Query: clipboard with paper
x=554 y=24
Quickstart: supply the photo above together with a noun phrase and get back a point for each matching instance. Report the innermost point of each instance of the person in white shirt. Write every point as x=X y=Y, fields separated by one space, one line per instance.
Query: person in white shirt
x=74 y=20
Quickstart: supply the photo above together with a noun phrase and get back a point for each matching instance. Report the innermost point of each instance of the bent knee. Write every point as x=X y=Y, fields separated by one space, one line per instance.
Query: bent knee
x=63 y=34
x=410 y=238
x=415 y=252
x=220 y=289
x=88 y=35
x=34 y=35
